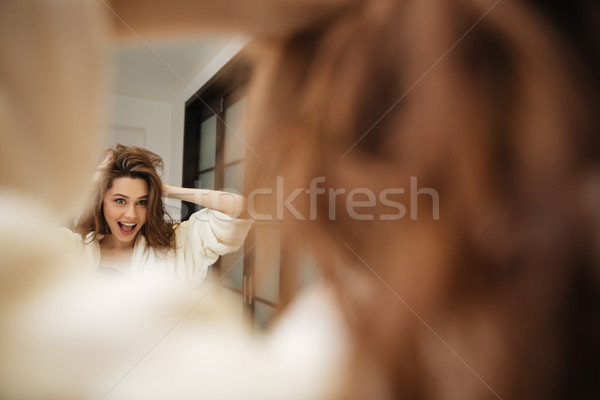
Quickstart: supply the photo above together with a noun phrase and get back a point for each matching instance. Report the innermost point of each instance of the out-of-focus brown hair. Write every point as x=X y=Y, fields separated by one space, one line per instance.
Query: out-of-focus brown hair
x=491 y=104
x=132 y=162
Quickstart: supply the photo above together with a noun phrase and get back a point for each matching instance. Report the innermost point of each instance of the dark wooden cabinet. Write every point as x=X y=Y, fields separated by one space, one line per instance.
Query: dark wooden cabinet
x=214 y=157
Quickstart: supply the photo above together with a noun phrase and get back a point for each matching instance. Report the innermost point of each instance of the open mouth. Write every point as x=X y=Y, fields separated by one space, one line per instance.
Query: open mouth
x=127 y=228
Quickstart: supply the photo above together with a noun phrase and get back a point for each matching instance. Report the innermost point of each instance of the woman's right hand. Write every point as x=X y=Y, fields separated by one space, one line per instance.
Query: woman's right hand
x=102 y=167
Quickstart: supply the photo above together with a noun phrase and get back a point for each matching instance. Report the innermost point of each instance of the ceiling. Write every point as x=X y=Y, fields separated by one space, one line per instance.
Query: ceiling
x=161 y=72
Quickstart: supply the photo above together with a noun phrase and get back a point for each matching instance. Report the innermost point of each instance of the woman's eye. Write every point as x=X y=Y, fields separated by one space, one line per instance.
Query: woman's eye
x=143 y=203
x=120 y=201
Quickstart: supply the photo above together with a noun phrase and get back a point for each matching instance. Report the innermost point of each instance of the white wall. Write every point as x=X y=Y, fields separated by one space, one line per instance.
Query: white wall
x=145 y=123
x=141 y=122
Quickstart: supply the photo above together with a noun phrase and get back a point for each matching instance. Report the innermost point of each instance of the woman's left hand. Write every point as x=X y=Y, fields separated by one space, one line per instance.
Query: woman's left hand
x=166 y=190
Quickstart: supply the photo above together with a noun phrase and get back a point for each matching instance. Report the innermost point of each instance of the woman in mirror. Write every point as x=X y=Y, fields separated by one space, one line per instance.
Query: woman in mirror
x=127 y=229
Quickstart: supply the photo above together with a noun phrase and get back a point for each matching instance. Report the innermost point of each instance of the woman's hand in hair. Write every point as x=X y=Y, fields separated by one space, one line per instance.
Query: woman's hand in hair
x=109 y=159
x=228 y=203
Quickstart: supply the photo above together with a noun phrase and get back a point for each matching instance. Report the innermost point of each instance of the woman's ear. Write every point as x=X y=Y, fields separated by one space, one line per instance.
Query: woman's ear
x=156 y=18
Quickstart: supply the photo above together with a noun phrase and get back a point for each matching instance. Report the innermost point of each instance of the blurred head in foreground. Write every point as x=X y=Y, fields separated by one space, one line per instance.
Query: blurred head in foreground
x=454 y=146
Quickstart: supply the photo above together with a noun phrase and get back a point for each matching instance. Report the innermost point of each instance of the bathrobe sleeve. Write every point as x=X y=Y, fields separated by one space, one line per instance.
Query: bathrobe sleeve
x=207 y=235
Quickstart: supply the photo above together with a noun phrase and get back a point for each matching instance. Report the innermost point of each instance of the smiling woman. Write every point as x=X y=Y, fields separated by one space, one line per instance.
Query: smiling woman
x=126 y=214
x=127 y=229
x=124 y=205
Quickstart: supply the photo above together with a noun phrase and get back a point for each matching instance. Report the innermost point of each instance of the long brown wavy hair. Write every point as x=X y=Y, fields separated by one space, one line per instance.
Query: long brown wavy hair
x=132 y=162
x=494 y=105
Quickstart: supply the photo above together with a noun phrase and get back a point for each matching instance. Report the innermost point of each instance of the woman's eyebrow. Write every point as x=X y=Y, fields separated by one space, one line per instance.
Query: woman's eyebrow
x=122 y=195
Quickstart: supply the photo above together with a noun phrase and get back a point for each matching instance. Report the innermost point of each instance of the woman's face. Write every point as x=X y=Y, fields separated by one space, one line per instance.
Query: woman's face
x=125 y=206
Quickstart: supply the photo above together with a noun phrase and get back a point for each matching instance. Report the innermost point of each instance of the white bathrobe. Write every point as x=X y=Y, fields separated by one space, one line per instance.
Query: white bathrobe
x=199 y=242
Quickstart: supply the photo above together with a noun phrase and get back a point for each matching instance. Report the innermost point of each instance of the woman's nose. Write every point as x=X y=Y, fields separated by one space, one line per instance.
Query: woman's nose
x=130 y=211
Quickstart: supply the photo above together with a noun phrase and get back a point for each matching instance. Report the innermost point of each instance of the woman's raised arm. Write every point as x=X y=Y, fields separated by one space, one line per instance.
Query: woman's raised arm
x=231 y=204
